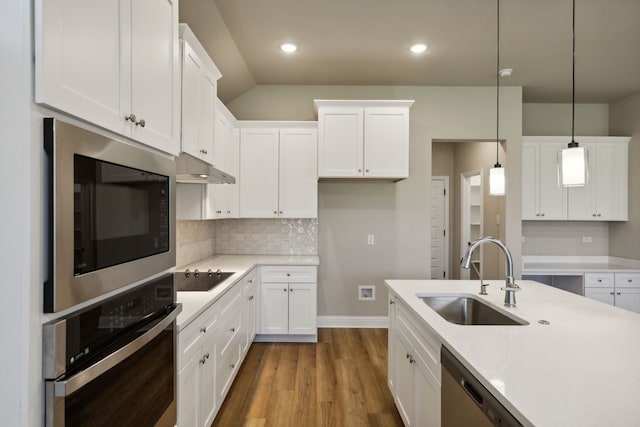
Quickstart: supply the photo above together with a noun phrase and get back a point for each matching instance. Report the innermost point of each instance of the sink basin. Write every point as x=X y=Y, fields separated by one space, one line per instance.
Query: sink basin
x=466 y=310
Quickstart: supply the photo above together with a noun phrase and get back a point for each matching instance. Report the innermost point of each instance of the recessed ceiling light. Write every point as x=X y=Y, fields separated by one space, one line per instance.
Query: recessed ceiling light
x=418 y=48
x=288 y=47
x=505 y=72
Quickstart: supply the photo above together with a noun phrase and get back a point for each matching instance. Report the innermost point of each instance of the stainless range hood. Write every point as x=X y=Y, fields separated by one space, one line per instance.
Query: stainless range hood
x=191 y=170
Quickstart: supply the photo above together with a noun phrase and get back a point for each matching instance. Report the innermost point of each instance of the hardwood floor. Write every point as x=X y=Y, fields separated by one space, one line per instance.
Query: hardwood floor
x=339 y=382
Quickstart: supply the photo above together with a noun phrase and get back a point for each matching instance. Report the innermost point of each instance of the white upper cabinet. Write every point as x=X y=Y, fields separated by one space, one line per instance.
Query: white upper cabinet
x=114 y=64
x=278 y=171
x=542 y=197
x=363 y=139
x=199 y=97
x=604 y=198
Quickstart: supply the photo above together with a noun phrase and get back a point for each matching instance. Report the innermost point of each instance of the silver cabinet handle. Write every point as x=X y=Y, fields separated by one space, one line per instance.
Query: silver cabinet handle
x=233 y=365
x=141 y=123
x=541 y=214
x=593 y=214
x=250 y=281
x=285 y=289
x=251 y=298
x=218 y=212
x=392 y=302
x=611 y=293
x=288 y=274
x=131 y=117
x=617 y=293
x=599 y=215
x=203 y=329
x=232 y=329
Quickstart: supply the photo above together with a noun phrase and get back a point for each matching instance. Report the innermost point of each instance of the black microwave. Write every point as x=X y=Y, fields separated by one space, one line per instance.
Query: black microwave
x=111 y=214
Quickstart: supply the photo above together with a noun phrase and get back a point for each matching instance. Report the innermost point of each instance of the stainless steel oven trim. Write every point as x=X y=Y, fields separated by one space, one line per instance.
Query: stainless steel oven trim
x=76 y=382
x=69 y=290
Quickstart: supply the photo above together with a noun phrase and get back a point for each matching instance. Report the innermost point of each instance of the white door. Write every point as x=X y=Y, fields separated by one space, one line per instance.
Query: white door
x=274 y=308
x=298 y=173
x=386 y=142
x=340 y=142
x=439 y=227
x=259 y=173
x=155 y=72
x=302 y=308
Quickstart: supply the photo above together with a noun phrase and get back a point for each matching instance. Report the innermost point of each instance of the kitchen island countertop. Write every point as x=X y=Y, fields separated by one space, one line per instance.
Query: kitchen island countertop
x=194 y=303
x=579 y=370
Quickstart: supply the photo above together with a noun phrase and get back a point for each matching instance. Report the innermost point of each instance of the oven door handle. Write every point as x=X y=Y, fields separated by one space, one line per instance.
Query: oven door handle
x=75 y=383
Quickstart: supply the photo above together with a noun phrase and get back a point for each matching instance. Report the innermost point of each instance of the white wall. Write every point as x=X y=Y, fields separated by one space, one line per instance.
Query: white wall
x=624 y=237
x=398 y=214
x=21 y=226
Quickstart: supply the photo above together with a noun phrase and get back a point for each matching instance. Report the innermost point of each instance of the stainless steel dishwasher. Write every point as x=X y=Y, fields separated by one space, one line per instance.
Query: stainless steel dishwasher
x=466 y=402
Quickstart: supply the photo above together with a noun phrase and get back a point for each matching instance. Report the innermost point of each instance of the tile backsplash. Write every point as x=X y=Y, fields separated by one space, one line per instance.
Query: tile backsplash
x=267 y=236
x=199 y=239
x=194 y=240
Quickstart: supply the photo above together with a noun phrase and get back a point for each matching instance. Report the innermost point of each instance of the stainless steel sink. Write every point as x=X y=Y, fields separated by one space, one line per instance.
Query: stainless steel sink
x=466 y=310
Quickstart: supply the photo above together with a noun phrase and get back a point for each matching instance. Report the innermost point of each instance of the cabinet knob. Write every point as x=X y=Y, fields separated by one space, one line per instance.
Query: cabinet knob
x=617 y=293
x=392 y=302
x=537 y=214
x=233 y=365
x=131 y=117
x=611 y=293
x=250 y=281
x=251 y=298
x=280 y=212
x=285 y=289
x=275 y=212
x=228 y=212
x=541 y=214
x=366 y=170
x=599 y=280
x=232 y=329
x=599 y=215
x=202 y=361
x=141 y=123
x=359 y=170
x=288 y=274
x=593 y=214
x=218 y=212
x=629 y=280
x=203 y=329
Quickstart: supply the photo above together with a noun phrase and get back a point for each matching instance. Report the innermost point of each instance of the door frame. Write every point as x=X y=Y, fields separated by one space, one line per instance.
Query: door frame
x=447 y=233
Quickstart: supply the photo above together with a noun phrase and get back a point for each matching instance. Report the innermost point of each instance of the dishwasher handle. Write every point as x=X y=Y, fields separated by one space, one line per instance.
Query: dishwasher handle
x=471 y=391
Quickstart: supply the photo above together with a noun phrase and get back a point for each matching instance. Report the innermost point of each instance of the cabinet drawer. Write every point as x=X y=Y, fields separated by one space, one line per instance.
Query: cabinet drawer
x=228 y=331
x=627 y=280
x=598 y=280
x=288 y=274
x=230 y=302
x=192 y=336
x=426 y=345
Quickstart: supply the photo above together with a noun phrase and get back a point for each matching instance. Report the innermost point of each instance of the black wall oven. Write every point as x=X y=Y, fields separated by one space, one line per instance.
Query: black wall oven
x=111 y=212
x=113 y=363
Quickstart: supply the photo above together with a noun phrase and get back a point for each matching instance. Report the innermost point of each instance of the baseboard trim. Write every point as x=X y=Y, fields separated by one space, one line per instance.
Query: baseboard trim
x=353 y=322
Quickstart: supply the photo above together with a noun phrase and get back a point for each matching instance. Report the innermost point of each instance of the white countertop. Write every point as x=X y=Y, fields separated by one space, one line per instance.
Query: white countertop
x=580 y=370
x=194 y=303
x=572 y=265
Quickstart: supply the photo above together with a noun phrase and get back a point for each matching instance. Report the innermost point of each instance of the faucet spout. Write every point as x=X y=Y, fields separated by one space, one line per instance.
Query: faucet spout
x=510 y=286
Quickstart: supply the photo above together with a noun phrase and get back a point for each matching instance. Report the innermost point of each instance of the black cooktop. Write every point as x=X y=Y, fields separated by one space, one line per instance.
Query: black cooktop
x=199 y=281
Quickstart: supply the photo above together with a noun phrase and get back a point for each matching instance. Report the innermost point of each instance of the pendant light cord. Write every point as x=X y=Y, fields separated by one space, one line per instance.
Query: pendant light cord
x=498 y=84
x=573 y=143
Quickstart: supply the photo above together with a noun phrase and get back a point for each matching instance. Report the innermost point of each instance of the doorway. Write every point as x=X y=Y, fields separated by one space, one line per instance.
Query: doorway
x=440 y=227
x=471 y=192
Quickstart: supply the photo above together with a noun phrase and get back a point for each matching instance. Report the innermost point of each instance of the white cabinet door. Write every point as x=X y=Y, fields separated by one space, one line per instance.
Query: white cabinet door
x=403 y=373
x=191 y=93
x=340 y=142
x=249 y=310
x=155 y=91
x=302 y=309
x=274 y=308
x=207 y=120
x=189 y=393
x=530 y=186
x=542 y=196
x=386 y=142
x=628 y=298
x=229 y=194
x=259 y=173
x=604 y=198
x=426 y=395
x=605 y=295
x=298 y=178
x=83 y=59
x=207 y=363
x=553 y=197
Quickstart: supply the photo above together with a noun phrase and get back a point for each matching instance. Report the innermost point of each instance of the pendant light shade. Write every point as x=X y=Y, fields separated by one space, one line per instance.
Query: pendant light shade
x=497 y=183
x=573 y=159
x=496 y=180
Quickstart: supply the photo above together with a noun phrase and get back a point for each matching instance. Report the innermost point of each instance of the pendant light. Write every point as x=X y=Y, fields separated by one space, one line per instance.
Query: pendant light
x=573 y=159
x=496 y=173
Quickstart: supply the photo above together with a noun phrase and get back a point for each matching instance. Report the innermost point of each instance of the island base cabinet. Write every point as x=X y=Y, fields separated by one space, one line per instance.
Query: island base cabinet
x=413 y=358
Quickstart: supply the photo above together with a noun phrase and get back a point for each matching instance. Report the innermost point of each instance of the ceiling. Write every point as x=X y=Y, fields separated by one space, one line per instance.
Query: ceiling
x=366 y=42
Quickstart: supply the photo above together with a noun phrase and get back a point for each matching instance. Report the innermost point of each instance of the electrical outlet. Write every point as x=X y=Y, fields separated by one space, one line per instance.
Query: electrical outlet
x=370 y=239
x=586 y=239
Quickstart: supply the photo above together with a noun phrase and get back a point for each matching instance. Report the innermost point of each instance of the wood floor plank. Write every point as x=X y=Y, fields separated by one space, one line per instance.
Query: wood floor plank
x=340 y=381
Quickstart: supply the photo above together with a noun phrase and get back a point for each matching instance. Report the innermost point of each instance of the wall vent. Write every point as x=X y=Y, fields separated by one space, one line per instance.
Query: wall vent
x=367 y=293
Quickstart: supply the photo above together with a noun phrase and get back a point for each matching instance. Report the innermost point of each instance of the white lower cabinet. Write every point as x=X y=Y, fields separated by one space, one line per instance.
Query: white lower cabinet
x=619 y=289
x=288 y=300
x=210 y=351
x=414 y=368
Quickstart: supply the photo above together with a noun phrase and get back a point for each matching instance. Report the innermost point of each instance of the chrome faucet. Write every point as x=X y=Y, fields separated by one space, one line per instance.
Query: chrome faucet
x=510 y=287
